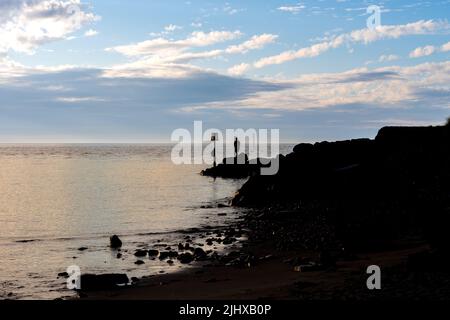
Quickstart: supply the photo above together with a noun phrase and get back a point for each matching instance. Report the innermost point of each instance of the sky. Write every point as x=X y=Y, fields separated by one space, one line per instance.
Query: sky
x=135 y=71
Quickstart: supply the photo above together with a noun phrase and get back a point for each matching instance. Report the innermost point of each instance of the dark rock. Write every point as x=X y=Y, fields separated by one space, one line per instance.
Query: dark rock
x=139 y=262
x=163 y=255
x=91 y=282
x=242 y=168
x=63 y=275
x=167 y=254
x=141 y=253
x=228 y=240
x=83 y=249
x=115 y=242
x=119 y=255
x=186 y=258
x=199 y=253
x=153 y=253
x=358 y=194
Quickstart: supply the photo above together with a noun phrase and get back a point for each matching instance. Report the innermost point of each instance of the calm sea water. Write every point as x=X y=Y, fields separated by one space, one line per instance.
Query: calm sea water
x=55 y=199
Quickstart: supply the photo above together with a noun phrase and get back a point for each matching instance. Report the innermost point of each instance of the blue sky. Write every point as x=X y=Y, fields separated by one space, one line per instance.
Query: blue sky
x=134 y=71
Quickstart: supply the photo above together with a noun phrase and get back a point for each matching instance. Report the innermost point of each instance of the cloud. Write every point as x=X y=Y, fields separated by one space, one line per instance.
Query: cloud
x=80 y=99
x=91 y=33
x=422 y=52
x=196 y=39
x=429 y=50
x=27 y=24
x=172 y=58
x=239 y=69
x=230 y=10
x=445 y=47
x=172 y=28
x=292 y=8
x=83 y=102
x=389 y=87
x=388 y=58
x=196 y=24
x=256 y=42
x=357 y=36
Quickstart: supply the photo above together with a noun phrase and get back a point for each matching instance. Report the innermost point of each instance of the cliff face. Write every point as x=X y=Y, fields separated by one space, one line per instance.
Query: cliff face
x=402 y=178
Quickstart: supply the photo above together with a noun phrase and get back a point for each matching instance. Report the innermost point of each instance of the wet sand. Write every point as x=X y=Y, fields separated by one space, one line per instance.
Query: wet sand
x=274 y=278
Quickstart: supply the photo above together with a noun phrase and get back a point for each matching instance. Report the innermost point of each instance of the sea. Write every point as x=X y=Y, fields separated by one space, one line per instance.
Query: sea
x=59 y=204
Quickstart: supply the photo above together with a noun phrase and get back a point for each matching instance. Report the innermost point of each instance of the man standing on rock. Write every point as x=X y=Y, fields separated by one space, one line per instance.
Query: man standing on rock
x=236 y=148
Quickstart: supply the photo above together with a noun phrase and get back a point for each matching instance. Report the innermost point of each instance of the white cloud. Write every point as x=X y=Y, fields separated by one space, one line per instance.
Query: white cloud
x=159 y=56
x=357 y=36
x=429 y=50
x=445 y=47
x=27 y=24
x=230 y=10
x=80 y=99
x=292 y=8
x=91 y=33
x=172 y=28
x=239 y=69
x=422 y=52
x=256 y=42
x=196 y=24
x=388 y=58
x=426 y=84
x=196 y=39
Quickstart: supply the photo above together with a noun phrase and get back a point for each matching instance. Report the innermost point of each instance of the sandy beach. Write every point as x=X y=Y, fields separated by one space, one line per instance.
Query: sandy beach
x=274 y=277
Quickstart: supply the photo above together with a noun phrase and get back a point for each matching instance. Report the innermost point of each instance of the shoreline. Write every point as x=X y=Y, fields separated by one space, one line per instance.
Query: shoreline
x=272 y=278
x=260 y=271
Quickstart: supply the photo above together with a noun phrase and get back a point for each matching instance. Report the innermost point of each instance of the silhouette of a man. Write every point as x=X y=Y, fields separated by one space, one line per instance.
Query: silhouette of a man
x=236 y=147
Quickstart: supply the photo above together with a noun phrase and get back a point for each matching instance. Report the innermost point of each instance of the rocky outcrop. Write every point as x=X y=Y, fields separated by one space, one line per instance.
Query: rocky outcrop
x=233 y=168
x=370 y=189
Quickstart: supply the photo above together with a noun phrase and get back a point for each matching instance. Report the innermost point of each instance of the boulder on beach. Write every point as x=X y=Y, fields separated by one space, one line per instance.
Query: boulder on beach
x=199 y=253
x=186 y=258
x=115 y=242
x=167 y=254
x=140 y=253
x=92 y=282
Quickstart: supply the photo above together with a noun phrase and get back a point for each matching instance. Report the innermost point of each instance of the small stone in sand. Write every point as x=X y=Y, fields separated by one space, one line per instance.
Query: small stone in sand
x=115 y=242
